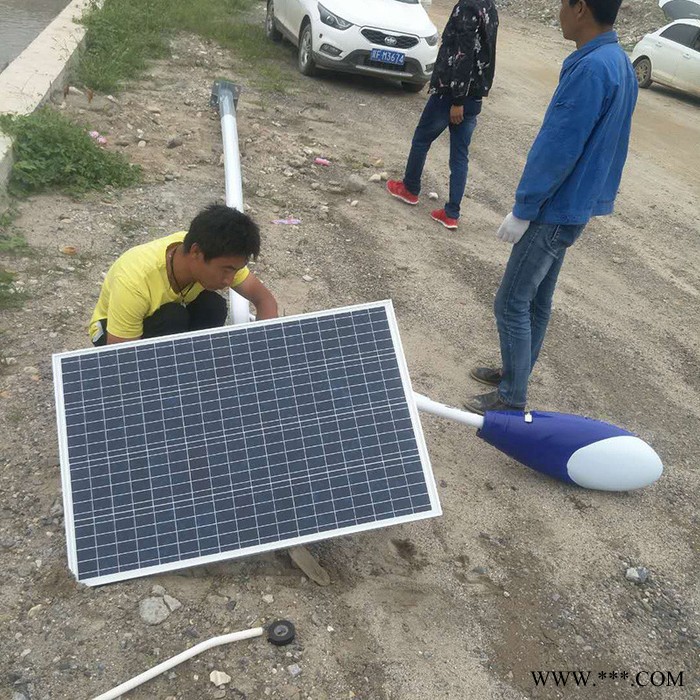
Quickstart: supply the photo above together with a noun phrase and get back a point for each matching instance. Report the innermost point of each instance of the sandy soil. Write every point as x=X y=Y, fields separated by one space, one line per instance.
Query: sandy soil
x=521 y=573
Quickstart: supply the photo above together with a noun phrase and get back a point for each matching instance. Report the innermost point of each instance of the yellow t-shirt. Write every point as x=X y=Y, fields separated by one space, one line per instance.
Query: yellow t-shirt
x=137 y=285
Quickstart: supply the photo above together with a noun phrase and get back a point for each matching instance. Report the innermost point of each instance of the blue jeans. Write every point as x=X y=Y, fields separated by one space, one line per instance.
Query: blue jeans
x=434 y=120
x=524 y=302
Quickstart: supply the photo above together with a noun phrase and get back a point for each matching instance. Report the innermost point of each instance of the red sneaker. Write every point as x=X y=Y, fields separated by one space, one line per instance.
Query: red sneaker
x=398 y=189
x=442 y=218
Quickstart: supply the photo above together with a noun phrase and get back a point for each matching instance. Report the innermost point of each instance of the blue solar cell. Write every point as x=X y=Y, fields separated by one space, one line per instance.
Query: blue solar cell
x=205 y=444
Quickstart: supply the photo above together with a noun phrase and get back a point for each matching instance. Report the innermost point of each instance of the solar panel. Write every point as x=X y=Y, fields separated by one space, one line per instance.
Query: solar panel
x=195 y=448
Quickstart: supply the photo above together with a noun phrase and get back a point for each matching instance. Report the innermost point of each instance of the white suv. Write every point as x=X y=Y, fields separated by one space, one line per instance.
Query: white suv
x=387 y=38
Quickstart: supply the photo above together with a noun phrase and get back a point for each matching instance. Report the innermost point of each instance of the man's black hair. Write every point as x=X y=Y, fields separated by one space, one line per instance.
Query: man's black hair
x=221 y=231
x=604 y=11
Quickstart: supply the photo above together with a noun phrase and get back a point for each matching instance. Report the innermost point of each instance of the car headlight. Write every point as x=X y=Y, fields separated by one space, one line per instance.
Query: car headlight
x=432 y=40
x=327 y=17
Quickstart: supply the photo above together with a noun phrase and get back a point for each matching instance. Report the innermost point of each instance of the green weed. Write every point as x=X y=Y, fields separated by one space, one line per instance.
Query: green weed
x=123 y=35
x=51 y=152
x=10 y=297
x=11 y=242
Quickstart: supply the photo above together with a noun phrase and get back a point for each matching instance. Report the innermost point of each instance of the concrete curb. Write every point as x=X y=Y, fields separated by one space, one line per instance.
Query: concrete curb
x=38 y=72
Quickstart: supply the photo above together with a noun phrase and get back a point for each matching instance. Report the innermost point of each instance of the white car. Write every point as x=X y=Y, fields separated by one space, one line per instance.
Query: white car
x=387 y=38
x=670 y=56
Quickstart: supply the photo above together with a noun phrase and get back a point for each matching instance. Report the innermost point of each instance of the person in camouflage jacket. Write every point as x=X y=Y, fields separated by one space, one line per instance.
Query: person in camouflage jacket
x=462 y=76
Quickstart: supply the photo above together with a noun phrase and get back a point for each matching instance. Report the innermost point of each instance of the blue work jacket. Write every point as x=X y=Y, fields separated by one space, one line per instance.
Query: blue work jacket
x=574 y=167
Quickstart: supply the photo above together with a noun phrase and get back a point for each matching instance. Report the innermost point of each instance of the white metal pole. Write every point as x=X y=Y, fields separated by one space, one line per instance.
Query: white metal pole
x=239 y=309
x=439 y=409
x=232 y=154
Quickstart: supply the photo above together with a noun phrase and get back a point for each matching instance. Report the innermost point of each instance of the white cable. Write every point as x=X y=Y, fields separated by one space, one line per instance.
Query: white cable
x=175 y=660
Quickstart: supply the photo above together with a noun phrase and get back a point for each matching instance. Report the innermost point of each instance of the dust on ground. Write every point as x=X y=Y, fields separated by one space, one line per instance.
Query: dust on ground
x=521 y=573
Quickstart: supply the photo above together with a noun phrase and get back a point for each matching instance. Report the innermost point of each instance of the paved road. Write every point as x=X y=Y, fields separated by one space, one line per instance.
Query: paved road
x=21 y=21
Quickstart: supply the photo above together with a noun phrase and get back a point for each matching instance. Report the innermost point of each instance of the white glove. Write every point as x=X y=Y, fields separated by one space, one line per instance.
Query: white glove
x=512 y=229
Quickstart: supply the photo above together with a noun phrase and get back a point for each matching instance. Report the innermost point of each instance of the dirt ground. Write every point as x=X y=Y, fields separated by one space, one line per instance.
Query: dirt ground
x=521 y=574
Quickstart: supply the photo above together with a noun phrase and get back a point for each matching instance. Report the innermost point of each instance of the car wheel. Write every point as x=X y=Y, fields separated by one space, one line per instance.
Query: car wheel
x=270 y=29
x=642 y=69
x=413 y=87
x=306 y=56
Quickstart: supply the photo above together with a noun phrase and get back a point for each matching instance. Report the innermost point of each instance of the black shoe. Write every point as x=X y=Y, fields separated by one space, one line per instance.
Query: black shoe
x=489 y=402
x=487 y=375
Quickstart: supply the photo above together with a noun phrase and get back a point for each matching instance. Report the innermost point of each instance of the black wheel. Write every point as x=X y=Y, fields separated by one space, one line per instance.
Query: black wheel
x=270 y=28
x=306 y=56
x=412 y=87
x=642 y=69
x=280 y=632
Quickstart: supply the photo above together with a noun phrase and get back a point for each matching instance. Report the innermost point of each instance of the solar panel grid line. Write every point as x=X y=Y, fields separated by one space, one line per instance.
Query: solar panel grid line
x=275 y=523
x=366 y=463
x=262 y=428
x=117 y=540
x=382 y=465
x=97 y=541
x=228 y=457
x=292 y=519
x=217 y=530
x=297 y=502
x=306 y=475
x=384 y=460
x=194 y=388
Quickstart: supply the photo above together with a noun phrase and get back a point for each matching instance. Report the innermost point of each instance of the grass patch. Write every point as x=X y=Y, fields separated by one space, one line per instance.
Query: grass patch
x=124 y=34
x=51 y=152
x=11 y=242
x=10 y=297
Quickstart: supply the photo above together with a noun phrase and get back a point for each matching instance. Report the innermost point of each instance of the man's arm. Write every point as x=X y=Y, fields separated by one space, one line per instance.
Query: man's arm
x=260 y=296
x=570 y=119
x=127 y=309
x=112 y=339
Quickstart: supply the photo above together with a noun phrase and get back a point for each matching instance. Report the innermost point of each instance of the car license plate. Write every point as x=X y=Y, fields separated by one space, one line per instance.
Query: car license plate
x=396 y=58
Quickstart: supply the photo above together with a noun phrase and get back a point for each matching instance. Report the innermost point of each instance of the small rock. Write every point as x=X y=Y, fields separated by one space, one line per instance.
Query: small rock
x=375 y=178
x=288 y=173
x=31 y=370
x=158 y=590
x=269 y=599
x=315 y=185
x=18 y=696
x=74 y=91
x=153 y=109
x=69 y=250
x=617 y=261
x=153 y=611
x=219 y=678
x=172 y=603
x=174 y=142
x=306 y=278
x=637 y=574
x=330 y=628
x=384 y=176
x=141 y=144
x=355 y=183
x=432 y=195
x=378 y=163
x=354 y=203
x=218 y=694
x=294 y=670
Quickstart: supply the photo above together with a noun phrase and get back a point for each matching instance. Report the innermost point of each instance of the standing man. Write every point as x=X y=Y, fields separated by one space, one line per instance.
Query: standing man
x=572 y=173
x=170 y=285
x=462 y=76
